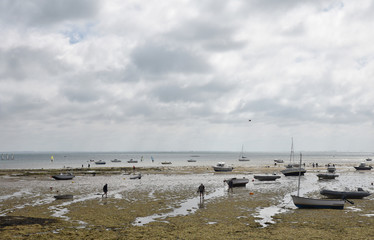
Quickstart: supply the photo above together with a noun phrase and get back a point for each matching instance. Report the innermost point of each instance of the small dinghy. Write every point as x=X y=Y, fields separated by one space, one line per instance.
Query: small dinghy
x=237 y=182
x=359 y=194
x=65 y=196
x=63 y=176
x=137 y=176
x=266 y=177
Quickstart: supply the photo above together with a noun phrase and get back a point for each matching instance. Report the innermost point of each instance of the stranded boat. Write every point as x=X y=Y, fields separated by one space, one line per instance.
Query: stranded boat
x=266 y=177
x=222 y=167
x=63 y=176
x=237 y=182
x=66 y=196
x=360 y=193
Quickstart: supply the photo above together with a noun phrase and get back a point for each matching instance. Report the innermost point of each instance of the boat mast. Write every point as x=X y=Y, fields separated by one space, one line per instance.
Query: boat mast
x=298 y=184
x=292 y=153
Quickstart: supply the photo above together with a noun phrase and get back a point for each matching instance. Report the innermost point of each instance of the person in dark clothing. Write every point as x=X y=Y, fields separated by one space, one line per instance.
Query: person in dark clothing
x=231 y=184
x=105 y=190
x=201 y=190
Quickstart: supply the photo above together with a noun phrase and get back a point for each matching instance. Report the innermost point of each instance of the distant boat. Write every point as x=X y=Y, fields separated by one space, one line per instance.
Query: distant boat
x=165 y=162
x=191 y=160
x=303 y=202
x=116 y=160
x=65 y=196
x=360 y=193
x=331 y=168
x=293 y=169
x=100 y=162
x=237 y=182
x=242 y=157
x=369 y=159
x=363 y=166
x=266 y=177
x=64 y=176
x=278 y=160
x=132 y=161
x=222 y=167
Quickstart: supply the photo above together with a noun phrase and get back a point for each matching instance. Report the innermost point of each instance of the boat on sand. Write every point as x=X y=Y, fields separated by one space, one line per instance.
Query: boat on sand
x=359 y=194
x=237 y=182
x=222 y=167
x=64 y=176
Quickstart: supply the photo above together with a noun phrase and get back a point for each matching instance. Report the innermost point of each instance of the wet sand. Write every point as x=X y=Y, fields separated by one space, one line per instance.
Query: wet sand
x=164 y=205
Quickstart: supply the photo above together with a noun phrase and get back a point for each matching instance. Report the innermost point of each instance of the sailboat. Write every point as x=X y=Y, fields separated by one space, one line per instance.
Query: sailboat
x=303 y=202
x=243 y=158
x=293 y=169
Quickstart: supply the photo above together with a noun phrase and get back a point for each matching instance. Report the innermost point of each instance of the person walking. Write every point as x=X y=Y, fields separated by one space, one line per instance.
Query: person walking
x=201 y=190
x=105 y=190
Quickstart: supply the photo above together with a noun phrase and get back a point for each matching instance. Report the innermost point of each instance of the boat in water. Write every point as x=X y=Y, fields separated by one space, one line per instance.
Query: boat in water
x=132 y=161
x=165 y=163
x=359 y=194
x=64 y=176
x=100 y=162
x=222 y=167
x=266 y=177
x=243 y=158
x=116 y=160
x=304 y=202
x=363 y=166
x=237 y=182
x=278 y=161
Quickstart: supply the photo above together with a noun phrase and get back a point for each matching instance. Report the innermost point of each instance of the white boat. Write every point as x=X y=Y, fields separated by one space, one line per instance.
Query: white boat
x=222 y=167
x=303 y=202
x=293 y=169
x=243 y=158
x=116 y=160
x=137 y=176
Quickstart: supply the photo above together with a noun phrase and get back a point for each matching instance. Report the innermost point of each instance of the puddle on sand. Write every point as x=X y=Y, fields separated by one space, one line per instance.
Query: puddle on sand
x=266 y=214
x=187 y=207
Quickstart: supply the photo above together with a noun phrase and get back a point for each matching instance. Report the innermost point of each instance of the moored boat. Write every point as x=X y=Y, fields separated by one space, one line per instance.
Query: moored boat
x=293 y=169
x=116 y=160
x=363 y=166
x=278 y=161
x=132 y=161
x=266 y=177
x=238 y=182
x=100 y=162
x=165 y=162
x=64 y=176
x=302 y=202
x=137 y=176
x=222 y=167
x=360 y=193
x=327 y=176
x=191 y=160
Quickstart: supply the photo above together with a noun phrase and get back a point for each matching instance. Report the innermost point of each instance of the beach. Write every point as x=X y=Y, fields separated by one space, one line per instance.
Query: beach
x=164 y=204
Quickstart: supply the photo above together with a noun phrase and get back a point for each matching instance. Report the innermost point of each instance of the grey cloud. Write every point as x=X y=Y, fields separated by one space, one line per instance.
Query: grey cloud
x=21 y=63
x=46 y=12
x=160 y=59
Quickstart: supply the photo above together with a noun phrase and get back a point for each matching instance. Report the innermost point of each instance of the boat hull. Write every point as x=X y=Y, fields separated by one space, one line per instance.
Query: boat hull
x=322 y=176
x=302 y=202
x=363 y=168
x=138 y=176
x=238 y=182
x=223 y=169
x=345 y=195
x=266 y=177
x=67 y=196
x=63 y=177
x=293 y=171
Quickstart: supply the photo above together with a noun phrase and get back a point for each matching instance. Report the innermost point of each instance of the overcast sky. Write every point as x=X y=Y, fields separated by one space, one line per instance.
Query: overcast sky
x=84 y=75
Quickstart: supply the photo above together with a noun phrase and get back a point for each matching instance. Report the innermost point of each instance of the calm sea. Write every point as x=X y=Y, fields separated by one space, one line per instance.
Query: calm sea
x=38 y=160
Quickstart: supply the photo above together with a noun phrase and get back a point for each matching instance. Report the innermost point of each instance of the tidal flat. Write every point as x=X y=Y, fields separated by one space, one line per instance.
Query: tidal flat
x=164 y=204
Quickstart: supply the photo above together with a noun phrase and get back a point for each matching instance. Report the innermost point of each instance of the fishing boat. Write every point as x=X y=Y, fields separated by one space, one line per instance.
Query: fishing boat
x=243 y=158
x=303 y=202
x=293 y=169
x=363 y=166
x=64 y=176
x=116 y=160
x=322 y=176
x=222 y=167
x=137 y=176
x=65 y=196
x=100 y=162
x=359 y=194
x=132 y=161
x=237 y=182
x=266 y=177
